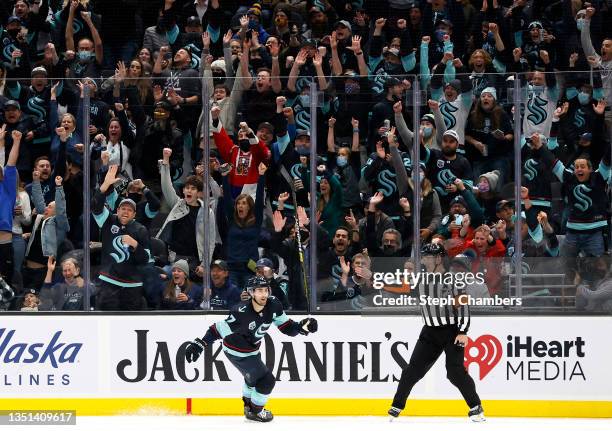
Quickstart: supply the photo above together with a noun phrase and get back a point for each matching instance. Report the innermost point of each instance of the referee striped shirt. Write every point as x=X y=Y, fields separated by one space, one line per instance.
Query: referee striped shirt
x=450 y=313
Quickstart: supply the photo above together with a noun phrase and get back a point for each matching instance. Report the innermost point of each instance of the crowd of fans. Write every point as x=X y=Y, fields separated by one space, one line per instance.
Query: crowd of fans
x=143 y=66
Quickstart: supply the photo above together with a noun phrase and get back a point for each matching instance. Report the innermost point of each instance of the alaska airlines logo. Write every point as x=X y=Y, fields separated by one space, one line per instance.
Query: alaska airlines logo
x=530 y=169
x=584 y=202
x=486 y=351
x=122 y=254
x=386 y=181
x=579 y=120
x=448 y=110
x=537 y=114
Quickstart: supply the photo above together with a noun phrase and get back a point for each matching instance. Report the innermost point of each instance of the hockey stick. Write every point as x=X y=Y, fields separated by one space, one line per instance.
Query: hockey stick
x=298 y=236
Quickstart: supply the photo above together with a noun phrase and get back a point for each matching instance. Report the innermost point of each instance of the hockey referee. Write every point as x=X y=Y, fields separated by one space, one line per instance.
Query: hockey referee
x=444 y=331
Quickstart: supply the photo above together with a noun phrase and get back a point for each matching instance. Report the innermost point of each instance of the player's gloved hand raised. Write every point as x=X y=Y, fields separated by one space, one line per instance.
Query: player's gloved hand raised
x=308 y=325
x=194 y=350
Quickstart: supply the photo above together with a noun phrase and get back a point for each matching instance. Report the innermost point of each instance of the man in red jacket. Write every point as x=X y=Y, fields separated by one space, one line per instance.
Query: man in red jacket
x=244 y=157
x=489 y=253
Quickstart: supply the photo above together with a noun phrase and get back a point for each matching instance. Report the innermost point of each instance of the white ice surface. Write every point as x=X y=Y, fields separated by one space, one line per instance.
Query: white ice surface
x=321 y=423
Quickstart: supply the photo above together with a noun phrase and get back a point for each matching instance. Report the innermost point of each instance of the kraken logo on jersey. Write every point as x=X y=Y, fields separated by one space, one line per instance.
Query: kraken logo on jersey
x=584 y=201
x=447 y=109
x=530 y=169
x=378 y=84
x=579 y=120
x=302 y=119
x=386 y=181
x=446 y=177
x=123 y=253
x=336 y=272
x=36 y=108
x=261 y=331
x=8 y=51
x=537 y=113
x=295 y=170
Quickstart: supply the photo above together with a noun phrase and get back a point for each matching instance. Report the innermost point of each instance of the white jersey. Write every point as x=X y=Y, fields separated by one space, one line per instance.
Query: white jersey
x=539 y=109
x=455 y=116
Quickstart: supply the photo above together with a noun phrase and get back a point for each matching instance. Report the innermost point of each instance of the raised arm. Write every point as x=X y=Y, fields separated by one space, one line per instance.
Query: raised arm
x=14 y=154
x=69 y=25
x=97 y=40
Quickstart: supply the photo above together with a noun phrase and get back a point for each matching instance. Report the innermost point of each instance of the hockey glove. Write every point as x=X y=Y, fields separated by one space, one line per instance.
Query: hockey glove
x=194 y=350
x=308 y=326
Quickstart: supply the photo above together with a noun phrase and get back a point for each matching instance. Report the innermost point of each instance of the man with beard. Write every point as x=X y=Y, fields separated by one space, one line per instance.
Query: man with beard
x=329 y=268
x=245 y=157
x=125 y=247
x=181 y=84
x=242 y=333
x=455 y=101
x=444 y=167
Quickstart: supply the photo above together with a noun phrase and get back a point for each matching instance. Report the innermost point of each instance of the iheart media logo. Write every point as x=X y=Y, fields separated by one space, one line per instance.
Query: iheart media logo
x=485 y=350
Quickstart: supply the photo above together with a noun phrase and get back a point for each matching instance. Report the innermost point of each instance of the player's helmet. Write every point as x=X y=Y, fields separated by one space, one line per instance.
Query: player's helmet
x=255 y=282
x=432 y=250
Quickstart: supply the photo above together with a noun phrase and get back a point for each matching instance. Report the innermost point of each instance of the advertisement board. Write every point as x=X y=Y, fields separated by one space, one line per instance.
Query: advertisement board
x=350 y=357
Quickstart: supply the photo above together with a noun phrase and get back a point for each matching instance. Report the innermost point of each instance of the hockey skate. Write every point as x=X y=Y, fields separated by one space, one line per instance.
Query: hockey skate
x=263 y=416
x=394 y=412
x=476 y=414
x=247 y=406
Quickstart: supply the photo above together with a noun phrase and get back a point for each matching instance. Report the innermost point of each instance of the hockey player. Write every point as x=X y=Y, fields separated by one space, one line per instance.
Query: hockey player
x=242 y=333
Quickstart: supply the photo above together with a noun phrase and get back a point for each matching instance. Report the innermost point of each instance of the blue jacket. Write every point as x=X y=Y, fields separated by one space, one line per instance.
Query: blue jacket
x=225 y=297
x=8 y=194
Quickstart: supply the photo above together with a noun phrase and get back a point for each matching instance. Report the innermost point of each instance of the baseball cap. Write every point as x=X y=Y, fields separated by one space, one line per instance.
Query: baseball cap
x=502 y=204
x=221 y=264
x=455 y=83
x=264 y=261
x=452 y=134
x=344 y=23
x=428 y=117
x=12 y=103
x=39 y=71
x=309 y=42
x=587 y=136
x=193 y=20
x=13 y=18
x=302 y=132
x=459 y=200
x=127 y=201
x=266 y=125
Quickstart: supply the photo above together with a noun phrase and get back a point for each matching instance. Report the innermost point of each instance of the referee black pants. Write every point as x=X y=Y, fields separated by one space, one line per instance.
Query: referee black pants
x=430 y=345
